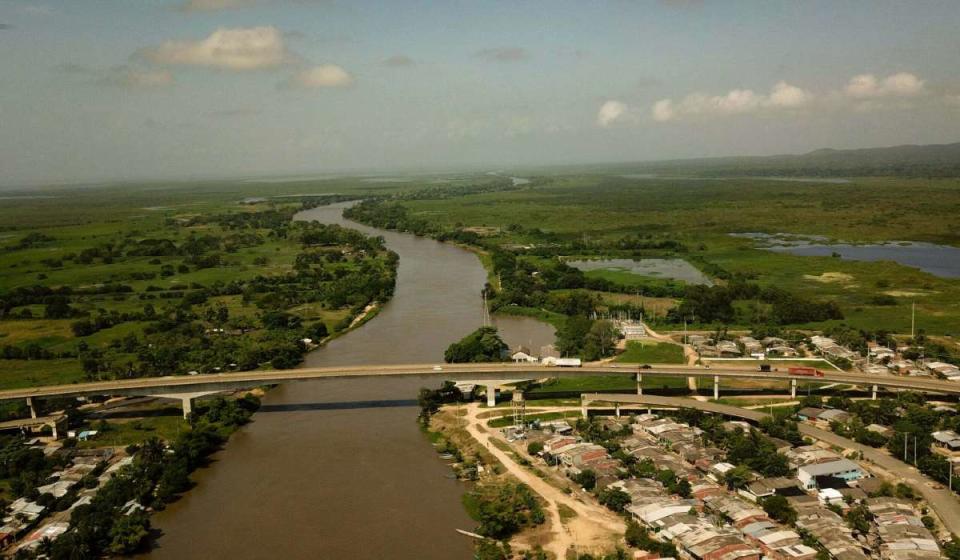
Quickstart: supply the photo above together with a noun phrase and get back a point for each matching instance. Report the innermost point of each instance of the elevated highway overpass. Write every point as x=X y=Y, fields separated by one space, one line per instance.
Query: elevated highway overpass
x=188 y=387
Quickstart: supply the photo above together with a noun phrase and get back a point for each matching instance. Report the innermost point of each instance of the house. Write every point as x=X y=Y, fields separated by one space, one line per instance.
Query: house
x=782 y=351
x=947 y=440
x=810 y=413
x=750 y=345
x=809 y=454
x=834 y=415
x=728 y=349
x=766 y=487
x=522 y=354
x=843 y=469
x=830 y=497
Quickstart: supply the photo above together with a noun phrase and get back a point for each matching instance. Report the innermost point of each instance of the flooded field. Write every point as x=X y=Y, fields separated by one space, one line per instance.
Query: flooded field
x=672 y=269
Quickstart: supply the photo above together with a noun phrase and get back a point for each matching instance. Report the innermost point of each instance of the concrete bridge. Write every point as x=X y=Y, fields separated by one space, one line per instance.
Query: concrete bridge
x=188 y=387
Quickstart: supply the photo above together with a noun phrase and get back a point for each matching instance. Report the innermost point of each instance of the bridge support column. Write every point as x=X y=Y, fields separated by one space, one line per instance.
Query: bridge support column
x=491 y=396
x=874 y=397
x=187 y=407
x=793 y=388
x=186 y=399
x=639 y=383
x=716 y=387
x=616 y=410
x=33 y=408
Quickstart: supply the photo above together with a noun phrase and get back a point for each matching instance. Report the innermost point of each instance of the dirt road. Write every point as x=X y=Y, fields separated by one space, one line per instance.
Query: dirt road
x=593 y=528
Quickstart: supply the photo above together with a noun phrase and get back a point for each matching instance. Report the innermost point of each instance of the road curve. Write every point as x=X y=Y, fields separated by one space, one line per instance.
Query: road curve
x=226 y=381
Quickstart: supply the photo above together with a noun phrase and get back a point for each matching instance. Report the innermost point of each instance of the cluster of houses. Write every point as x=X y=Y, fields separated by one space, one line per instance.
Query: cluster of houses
x=744 y=346
x=715 y=523
x=27 y=522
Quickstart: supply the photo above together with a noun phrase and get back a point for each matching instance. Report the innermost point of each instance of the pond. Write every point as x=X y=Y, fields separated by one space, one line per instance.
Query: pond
x=673 y=269
x=939 y=260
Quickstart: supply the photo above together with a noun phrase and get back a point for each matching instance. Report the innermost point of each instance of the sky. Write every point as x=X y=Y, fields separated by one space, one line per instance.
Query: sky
x=99 y=90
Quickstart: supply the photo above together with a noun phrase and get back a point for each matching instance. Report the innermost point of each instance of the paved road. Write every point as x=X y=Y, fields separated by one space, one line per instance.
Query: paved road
x=226 y=381
x=942 y=500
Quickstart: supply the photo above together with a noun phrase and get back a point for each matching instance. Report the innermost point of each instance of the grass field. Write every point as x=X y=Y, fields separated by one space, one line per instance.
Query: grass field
x=648 y=352
x=701 y=213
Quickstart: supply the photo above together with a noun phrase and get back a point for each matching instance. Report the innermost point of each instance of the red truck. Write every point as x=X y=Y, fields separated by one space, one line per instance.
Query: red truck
x=812 y=372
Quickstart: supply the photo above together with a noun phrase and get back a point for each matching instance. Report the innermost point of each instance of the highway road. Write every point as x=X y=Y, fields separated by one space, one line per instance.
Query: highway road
x=227 y=381
x=942 y=500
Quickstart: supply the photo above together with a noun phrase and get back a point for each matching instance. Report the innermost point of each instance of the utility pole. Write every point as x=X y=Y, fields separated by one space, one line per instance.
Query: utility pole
x=913 y=318
x=905 y=445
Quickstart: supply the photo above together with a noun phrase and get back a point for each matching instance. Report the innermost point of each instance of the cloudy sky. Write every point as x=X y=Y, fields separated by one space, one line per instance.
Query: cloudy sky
x=110 y=89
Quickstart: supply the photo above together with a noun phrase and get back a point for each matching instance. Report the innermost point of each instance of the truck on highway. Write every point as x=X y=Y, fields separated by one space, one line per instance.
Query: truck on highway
x=812 y=372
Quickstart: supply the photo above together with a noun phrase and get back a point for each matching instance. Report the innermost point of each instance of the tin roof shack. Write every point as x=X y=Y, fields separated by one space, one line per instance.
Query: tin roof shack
x=778 y=542
x=766 y=487
x=831 y=532
x=810 y=413
x=901 y=531
x=705 y=542
x=739 y=512
x=946 y=442
x=809 y=454
x=750 y=345
x=834 y=415
x=578 y=457
x=811 y=476
x=728 y=349
x=640 y=490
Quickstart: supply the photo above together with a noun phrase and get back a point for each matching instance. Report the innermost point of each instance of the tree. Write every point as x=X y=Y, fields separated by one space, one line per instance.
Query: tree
x=615 y=499
x=534 y=447
x=586 y=479
x=128 y=533
x=860 y=518
x=778 y=508
x=600 y=340
x=482 y=345
x=737 y=477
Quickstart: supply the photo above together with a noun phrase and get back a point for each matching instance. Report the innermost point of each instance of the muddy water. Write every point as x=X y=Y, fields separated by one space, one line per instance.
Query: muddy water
x=338 y=468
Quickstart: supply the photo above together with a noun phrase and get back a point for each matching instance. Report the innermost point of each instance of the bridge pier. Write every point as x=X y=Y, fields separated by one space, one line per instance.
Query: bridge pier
x=639 y=383
x=583 y=408
x=616 y=410
x=33 y=408
x=491 y=396
x=716 y=387
x=793 y=388
x=874 y=397
x=186 y=400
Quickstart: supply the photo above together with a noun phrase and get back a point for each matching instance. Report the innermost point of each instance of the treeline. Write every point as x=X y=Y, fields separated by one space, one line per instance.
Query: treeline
x=715 y=304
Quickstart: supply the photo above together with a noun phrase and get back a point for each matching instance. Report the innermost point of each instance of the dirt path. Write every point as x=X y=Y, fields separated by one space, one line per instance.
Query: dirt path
x=593 y=527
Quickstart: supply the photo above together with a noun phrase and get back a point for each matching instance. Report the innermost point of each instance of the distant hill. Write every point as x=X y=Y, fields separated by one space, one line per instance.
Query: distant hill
x=933 y=160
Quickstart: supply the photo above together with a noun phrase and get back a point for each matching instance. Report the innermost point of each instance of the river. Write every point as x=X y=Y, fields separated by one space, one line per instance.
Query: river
x=338 y=468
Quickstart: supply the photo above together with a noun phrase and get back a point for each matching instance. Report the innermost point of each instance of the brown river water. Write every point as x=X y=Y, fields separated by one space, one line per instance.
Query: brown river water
x=339 y=468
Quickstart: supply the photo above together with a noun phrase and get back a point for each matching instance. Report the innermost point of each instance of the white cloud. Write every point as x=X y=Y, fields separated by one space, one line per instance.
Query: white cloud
x=213 y=5
x=610 y=111
x=663 y=110
x=786 y=95
x=865 y=86
x=237 y=49
x=737 y=101
x=322 y=76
